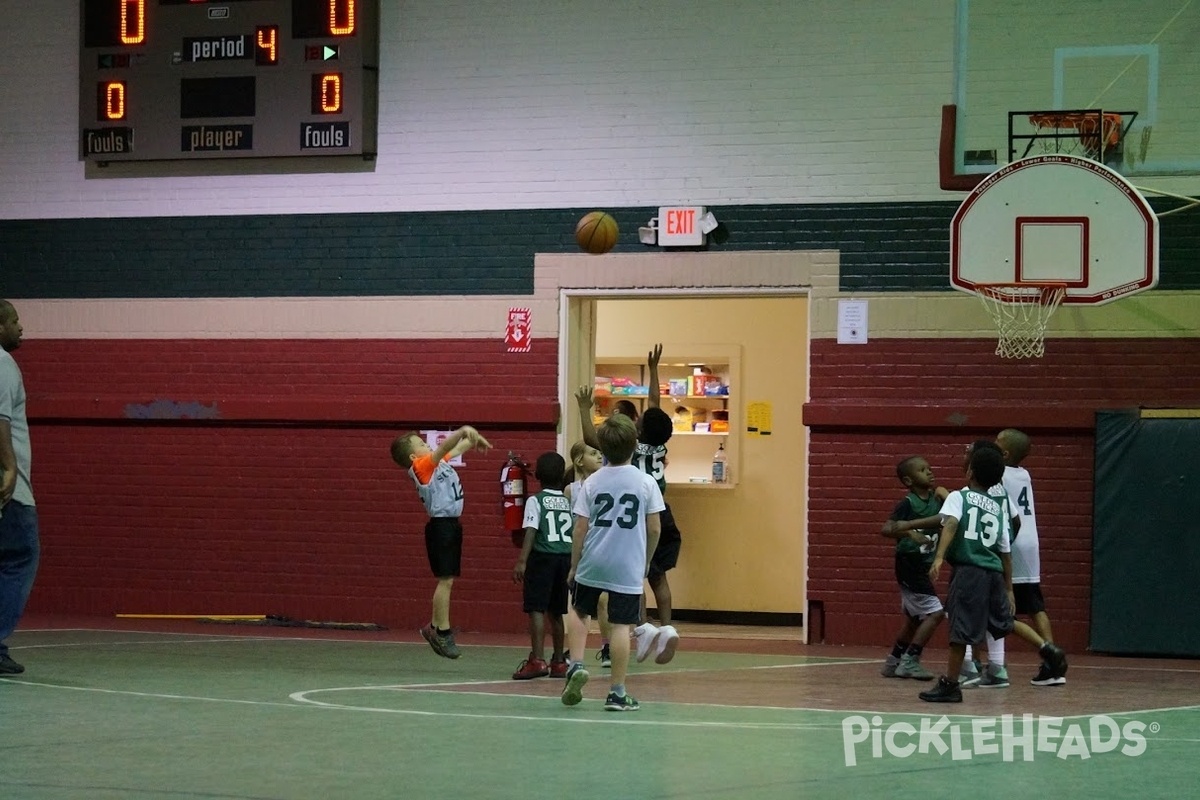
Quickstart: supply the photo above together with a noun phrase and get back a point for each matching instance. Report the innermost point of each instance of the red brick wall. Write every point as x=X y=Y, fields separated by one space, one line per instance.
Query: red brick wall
x=875 y=404
x=289 y=503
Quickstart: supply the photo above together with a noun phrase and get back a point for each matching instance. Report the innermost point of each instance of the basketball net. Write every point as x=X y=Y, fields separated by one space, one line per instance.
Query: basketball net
x=1021 y=311
x=1077 y=134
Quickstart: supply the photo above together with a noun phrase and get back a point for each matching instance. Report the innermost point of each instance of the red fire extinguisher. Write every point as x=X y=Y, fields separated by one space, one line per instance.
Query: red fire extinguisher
x=512 y=492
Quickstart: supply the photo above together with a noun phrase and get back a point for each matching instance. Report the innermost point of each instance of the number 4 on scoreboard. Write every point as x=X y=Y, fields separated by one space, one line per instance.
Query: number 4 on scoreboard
x=266 y=45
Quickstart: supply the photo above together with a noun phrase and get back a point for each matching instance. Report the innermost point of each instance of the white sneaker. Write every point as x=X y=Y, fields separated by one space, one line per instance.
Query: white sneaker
x=644 y=636
x=668 y=640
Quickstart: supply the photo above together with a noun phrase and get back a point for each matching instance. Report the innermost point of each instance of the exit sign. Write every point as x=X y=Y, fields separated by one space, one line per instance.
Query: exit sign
x=679 y=226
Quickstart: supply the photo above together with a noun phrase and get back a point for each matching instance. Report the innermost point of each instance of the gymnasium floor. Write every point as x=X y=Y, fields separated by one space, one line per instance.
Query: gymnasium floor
x=138 y=709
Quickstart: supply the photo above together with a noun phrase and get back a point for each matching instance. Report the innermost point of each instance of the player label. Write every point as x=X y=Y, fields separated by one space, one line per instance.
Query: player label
x=199 y=138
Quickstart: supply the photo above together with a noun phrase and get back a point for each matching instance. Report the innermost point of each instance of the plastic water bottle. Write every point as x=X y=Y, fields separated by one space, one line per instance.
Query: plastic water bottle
x=720 y=471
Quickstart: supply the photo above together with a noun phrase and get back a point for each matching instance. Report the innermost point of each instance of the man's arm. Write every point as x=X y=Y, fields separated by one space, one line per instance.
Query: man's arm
x=8 y=463
x=584 y=397
x=652 y=400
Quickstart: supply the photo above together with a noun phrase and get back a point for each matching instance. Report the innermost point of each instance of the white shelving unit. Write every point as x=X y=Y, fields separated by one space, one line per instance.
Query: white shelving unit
x=690 y=453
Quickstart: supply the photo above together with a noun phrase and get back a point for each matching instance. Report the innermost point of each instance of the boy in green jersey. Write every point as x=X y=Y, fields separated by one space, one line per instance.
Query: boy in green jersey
x=542 y=568
x=914 y=556
x=975 y=539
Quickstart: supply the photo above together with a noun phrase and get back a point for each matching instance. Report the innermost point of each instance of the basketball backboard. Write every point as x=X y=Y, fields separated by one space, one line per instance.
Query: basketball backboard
x=1118 y=56
x=1056 y=219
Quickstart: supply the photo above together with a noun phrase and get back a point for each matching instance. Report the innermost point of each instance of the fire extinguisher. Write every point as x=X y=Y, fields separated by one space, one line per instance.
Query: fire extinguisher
x=512 y=493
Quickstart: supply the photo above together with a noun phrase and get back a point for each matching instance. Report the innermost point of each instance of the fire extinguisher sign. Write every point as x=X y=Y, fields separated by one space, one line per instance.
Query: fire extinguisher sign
x=517 y=331
x=434 y=438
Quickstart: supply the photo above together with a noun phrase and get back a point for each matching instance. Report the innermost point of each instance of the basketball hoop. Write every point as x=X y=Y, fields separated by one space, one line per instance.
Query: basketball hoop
x=1021 y=311
x=1087 y=133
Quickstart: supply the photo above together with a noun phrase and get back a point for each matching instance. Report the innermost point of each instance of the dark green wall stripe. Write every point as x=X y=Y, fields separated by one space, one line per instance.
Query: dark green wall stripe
x=883 y=246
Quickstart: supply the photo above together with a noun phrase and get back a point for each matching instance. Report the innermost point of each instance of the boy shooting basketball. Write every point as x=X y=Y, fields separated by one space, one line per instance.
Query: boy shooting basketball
x=441 y=492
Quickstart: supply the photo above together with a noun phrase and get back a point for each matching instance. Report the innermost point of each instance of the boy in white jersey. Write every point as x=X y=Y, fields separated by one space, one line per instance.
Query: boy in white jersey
x=975 y=540
x=616 y=531
x=654 y=431
x=1026 y=558
x=441 y=492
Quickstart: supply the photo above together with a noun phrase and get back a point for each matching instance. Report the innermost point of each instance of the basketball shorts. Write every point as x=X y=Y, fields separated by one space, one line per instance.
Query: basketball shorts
x=1028 y=597
x=545 y=587
x=443 y=546
x=623 y=609
x=918 y=605
x=977 y=604
x=666 y=554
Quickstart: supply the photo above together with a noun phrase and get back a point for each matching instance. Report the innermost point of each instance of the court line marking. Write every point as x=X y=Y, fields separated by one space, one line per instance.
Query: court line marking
x=301 y=696
x=208 y=637
x=149 y=642
x=301 y=701
x=316 y=704
x=254 y=637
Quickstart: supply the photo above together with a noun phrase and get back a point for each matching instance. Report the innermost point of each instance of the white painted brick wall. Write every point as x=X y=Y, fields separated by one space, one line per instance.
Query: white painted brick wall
x=568 y=103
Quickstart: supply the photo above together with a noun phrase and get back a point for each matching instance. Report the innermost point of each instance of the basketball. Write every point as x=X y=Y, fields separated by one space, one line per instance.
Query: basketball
x=596 y=232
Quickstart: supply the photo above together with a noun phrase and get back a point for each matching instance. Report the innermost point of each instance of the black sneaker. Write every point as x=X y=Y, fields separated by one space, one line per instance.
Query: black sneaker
x=1046 y=677
x=946 y=691
x=604 y=657
x=1056 y=659
x=9 y=667
x=616 y=702
x=577 y=678
x=444 y=646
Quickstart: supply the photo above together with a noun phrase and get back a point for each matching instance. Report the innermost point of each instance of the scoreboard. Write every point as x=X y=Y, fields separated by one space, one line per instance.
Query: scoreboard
x=196 y=79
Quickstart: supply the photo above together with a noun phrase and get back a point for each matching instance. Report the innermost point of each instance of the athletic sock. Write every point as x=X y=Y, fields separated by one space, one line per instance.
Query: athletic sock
x=445 y=632
x=914 y=650
x=899 y=648
x=618 y=689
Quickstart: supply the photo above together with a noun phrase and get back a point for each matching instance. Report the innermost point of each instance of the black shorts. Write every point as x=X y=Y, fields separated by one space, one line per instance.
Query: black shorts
x=546 y=582
x=443 y=545
x=1028 y=597
x=623 y=609
x=977 y=604
x=666 y=554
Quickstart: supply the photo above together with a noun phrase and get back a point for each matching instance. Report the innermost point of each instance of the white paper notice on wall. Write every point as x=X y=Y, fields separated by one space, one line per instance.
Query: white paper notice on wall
x=852 y=322
x=434 y=438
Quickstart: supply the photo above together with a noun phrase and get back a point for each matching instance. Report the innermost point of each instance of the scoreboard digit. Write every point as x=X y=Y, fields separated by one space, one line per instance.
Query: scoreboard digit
x=165 y=80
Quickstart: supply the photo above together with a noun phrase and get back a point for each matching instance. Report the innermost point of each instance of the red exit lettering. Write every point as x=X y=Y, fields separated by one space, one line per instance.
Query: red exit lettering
x=681 y=221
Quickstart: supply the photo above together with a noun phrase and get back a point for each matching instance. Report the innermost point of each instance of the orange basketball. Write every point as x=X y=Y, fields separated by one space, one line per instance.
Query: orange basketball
x=596 y=232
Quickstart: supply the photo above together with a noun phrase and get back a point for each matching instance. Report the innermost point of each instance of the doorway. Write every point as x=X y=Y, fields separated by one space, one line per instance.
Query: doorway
x=743 y=559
